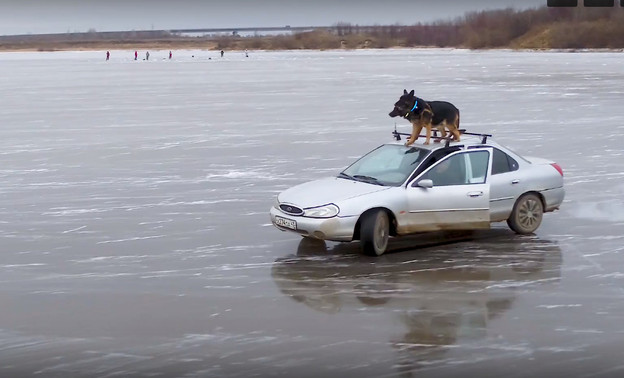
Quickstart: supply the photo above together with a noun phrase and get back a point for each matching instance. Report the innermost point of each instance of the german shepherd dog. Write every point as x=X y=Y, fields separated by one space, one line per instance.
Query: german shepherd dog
x=428 y=114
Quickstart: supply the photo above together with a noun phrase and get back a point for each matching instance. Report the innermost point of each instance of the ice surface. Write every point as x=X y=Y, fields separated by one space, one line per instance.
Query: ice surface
x=134 y=200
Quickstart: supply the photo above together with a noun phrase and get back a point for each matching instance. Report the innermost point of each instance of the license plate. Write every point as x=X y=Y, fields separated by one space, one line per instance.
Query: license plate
x=288 y=223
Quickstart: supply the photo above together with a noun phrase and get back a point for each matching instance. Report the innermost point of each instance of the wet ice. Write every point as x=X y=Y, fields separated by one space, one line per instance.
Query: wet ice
x=134 y=203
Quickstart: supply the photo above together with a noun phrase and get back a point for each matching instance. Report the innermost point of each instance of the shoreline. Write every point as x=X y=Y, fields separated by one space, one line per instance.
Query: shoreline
x=182 y=47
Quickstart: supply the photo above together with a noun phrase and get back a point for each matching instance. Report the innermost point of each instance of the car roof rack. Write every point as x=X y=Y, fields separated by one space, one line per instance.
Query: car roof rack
x=449 y=139
x=397 y=136
x=483 y=136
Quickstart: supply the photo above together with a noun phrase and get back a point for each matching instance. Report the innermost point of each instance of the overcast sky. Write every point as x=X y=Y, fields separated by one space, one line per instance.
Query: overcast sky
x=60 y=16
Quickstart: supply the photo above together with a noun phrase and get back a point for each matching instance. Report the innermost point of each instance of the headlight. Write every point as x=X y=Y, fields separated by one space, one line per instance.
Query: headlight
x=326 y=211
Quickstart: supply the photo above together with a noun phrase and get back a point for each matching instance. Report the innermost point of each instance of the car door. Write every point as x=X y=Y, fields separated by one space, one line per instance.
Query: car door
x=506 y=185
x=453 y=194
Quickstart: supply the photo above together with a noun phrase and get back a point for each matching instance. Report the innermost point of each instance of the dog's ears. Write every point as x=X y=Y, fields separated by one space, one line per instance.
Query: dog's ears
x=404 y=91
x=411 y=93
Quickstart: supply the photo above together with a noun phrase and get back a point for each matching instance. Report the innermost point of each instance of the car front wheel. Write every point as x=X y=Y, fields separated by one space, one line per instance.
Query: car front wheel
x=374 y=233
x=526 y=215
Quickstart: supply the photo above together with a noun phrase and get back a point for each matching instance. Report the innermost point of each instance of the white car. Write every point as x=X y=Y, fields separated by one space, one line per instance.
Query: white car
x=397 y=190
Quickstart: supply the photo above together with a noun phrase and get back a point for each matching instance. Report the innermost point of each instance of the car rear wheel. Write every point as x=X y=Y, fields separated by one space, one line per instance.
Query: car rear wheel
x=526 y=215
x=374 y=233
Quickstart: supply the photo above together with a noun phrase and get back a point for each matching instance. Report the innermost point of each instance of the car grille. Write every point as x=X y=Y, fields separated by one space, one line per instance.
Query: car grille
x=290 y=209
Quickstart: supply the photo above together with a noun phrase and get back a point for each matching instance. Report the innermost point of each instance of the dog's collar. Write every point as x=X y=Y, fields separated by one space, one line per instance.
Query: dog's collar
x=414 y=108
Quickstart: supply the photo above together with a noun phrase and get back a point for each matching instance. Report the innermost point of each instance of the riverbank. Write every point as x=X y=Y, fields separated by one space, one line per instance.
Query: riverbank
x=543 y=28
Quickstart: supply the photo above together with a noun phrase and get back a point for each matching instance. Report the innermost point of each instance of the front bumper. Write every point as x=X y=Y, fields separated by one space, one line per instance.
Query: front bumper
x=335 y=228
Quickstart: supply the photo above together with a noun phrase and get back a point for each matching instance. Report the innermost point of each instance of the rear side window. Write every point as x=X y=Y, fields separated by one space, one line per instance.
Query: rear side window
x=502 y=163
x=513 y=165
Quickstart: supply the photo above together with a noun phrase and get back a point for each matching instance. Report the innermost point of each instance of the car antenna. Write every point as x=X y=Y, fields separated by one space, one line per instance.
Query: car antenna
x=396 y=134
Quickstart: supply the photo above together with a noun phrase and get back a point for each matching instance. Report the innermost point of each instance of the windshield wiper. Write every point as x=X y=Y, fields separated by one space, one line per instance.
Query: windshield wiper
x=346 y=176
x=368 y=179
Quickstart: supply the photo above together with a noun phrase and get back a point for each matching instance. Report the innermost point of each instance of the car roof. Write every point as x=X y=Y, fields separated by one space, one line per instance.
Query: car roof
x=466 y=141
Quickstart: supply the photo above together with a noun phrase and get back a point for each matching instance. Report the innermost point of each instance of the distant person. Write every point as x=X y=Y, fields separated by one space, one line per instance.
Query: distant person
x=147 y=55
x=107 y=55
x=136 y=55
x=222 y=53
x=246 y=54
x=170 y=54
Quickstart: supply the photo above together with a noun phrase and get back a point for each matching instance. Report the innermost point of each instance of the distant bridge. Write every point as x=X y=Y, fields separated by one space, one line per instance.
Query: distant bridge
x=337 y=29
x=163 y=33
x=293 y=29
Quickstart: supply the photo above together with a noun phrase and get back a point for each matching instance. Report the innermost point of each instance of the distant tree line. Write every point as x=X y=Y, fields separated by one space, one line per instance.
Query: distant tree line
x=565 y=28
x=538 y=28
x=545 y=28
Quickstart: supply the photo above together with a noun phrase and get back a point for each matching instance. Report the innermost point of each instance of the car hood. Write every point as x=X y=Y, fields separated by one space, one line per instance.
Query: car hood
x=328 y=190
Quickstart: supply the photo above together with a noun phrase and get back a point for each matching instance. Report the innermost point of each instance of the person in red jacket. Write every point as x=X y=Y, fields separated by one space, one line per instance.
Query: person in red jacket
x=136 y=55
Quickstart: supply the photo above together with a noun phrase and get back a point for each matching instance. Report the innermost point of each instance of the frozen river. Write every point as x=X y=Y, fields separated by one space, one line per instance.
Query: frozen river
x=135 y=236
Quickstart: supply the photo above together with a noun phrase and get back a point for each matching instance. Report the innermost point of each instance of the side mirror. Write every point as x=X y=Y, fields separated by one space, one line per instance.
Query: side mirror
x=426 y=183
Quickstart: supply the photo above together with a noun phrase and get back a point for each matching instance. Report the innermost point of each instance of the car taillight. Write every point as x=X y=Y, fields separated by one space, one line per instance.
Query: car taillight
x=558 y=168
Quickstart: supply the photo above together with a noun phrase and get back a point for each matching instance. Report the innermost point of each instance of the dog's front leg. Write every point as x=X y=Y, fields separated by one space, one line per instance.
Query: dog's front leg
x=426 y=119
x=416 y=128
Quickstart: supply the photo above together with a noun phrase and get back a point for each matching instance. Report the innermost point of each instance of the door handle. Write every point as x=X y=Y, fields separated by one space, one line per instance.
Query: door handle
x=513 y=182
x=475 y=194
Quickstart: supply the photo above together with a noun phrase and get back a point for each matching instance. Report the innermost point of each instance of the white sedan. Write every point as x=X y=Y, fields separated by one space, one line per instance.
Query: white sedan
x=396 y=190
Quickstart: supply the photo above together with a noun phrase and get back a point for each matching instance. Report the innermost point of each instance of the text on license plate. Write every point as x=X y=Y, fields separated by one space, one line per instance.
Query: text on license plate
x=288 y=223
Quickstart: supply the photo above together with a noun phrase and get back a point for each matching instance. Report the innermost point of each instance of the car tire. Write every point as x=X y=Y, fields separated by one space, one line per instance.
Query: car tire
x=375 y=232
x=526 y=215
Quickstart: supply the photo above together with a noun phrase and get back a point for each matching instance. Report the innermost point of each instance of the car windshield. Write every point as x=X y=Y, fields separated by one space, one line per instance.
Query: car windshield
x=389 y=164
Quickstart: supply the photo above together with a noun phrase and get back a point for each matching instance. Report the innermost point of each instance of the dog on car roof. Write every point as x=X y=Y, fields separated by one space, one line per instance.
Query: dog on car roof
x=428 y=114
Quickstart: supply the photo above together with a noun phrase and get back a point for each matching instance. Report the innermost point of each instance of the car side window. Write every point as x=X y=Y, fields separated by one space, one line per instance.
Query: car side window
x=513 y=164
x=451 y=171
x=433 y=158
x=502 y=163
x=478 y=166
x=460 y=169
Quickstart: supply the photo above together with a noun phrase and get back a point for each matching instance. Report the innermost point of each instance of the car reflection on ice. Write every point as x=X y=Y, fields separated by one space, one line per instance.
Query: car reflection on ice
x=443 y=296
